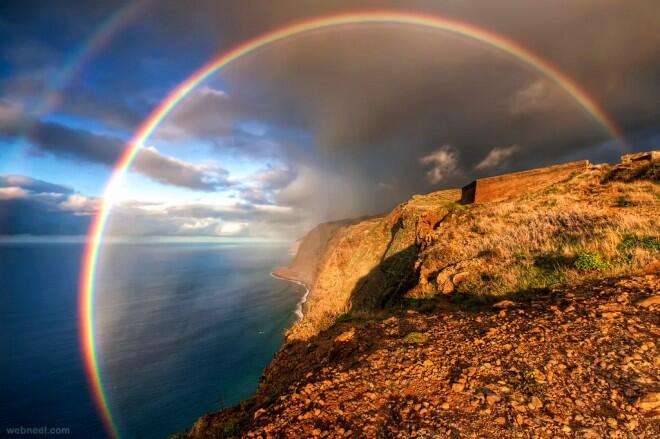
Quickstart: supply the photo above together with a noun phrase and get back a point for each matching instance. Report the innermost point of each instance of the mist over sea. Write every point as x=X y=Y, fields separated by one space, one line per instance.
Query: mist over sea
x=183 y=328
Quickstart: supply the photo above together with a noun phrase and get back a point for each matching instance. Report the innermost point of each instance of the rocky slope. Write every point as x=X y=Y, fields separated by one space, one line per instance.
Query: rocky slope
x=575 y=361
x=400 y=338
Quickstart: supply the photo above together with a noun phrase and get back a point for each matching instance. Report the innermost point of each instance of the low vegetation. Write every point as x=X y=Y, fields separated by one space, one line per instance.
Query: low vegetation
x=570 y=233
x=590 y=261
x=414 y=338
x=596 y=224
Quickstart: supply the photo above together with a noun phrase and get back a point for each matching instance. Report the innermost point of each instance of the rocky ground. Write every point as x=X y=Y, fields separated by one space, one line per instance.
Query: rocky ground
x=577 y=361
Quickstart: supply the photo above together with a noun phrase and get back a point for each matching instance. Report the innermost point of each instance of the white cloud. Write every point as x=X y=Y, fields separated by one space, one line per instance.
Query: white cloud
x=12 y=193
x=496 y=157
x=536 y=96
x=80 y=204
x=443 y=162
x=232 y=228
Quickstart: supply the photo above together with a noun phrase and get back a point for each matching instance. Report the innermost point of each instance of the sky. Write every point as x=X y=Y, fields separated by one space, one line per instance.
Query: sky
x=339 y=122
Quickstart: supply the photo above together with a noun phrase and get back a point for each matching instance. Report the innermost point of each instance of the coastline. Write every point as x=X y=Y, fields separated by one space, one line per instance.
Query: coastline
x=301 y=303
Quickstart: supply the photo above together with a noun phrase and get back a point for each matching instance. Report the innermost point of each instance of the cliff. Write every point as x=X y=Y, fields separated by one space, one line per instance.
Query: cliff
x=432 y=244
x=361 y=265
x=535 y=314
x=311 y=249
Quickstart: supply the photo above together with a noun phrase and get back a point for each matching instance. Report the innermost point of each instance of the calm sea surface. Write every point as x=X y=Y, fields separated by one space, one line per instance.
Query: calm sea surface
x=182 y=328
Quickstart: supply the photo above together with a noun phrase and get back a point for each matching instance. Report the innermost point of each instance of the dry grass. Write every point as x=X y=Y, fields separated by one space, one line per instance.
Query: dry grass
x=564 y=235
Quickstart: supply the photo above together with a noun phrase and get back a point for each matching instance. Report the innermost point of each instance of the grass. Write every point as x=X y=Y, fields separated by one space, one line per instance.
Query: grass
x=570 y=233
x=356 y=320
x=542 y=278
x=414 y=338
x=456 y=208
x=589 y=261
x=649 y=172
x=230 y=426
x=630 y=242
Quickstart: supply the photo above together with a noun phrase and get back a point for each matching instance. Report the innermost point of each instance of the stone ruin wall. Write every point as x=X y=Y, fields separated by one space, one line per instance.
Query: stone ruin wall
x=505 y=186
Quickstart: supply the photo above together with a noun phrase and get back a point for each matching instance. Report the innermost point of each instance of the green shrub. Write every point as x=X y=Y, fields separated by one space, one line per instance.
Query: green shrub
x=553 y=261
x=414 y=338
x=455 y=208
x=653 y=172
x=646 y=242
x=230 y=426
x=589 y=261
x=540 y=278
x=527 y=384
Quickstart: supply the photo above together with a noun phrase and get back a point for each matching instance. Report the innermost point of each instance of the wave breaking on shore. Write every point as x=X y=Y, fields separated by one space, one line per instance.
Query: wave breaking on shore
x=299 y=306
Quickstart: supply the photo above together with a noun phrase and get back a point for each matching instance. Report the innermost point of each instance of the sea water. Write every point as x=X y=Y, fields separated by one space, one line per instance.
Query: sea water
x=182 y=329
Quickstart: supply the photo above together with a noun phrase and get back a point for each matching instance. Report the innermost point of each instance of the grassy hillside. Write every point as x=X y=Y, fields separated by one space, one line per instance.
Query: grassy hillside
x=599 y=223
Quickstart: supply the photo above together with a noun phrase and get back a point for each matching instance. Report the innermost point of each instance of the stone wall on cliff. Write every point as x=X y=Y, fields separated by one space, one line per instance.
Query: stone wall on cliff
x=509 y=185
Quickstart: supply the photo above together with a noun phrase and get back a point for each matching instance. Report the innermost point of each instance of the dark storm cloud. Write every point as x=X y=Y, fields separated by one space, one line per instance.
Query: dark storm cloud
x=75 y=143
x=381 y=101
x=35 y=207
x=72 y=143
x=364 y=116
x=175 y=172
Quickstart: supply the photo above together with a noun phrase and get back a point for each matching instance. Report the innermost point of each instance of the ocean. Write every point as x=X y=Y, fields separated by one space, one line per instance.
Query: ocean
x=183 y=329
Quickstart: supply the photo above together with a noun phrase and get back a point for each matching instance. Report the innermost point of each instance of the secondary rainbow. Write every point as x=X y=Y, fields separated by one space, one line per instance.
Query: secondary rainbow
x=92 y=46
x=52 y=94
x=181 y=91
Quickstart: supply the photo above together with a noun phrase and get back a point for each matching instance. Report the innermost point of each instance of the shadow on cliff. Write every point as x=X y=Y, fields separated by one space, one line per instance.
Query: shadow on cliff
x=385 y=283
x=347 y=344
x=354 y=335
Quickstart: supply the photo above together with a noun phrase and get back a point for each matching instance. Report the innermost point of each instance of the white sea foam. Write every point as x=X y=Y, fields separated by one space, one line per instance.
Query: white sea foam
x=299 y=306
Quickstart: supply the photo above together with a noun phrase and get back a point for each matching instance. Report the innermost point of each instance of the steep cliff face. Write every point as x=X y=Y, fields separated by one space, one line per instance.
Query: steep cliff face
x=310 y=251
x=361 y=266
x=587 y=225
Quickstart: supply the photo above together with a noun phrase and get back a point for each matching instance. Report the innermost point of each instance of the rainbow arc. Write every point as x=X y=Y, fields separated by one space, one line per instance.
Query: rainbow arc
x=516 y=51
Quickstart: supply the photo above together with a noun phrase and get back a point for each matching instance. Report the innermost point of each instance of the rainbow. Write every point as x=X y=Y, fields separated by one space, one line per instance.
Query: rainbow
x=184 y=88
x=50 y=98
x=91 y=47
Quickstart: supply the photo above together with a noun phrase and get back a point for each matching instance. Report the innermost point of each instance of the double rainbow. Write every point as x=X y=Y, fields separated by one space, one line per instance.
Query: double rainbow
x=181 y=91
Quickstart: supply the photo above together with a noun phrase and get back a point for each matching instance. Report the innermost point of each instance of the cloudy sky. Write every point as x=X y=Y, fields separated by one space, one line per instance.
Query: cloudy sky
x=334 y=123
